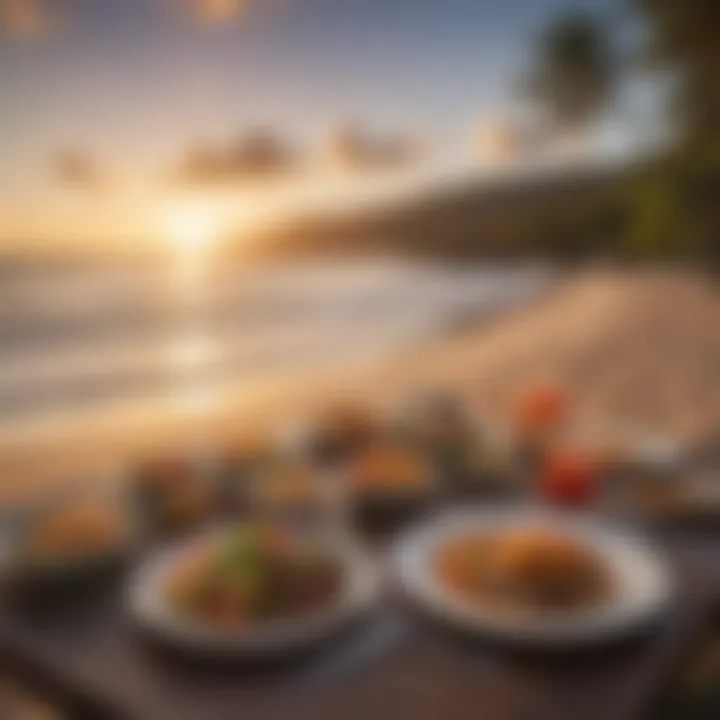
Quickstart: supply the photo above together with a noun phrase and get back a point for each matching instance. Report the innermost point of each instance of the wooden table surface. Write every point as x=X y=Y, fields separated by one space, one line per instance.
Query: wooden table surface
x=396 y=665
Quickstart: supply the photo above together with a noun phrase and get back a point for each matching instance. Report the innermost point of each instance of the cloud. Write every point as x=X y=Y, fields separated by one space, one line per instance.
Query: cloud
x=258 y=155
x=76 y=169
x=355 y=149
x=213 y=12
x=28 y=19
x=501 y=139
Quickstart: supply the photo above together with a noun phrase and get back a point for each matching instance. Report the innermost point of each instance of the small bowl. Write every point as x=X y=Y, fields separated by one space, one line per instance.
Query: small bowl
x=288 y=488
x=375 y=503
x=173 y=495
x=32 y=572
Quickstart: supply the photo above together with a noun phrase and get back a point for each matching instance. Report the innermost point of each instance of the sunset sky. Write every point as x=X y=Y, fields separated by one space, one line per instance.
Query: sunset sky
x=103 y=99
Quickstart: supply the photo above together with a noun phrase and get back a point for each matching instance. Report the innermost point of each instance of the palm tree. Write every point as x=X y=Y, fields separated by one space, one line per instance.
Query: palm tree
x=573 y=80
x=685 y=39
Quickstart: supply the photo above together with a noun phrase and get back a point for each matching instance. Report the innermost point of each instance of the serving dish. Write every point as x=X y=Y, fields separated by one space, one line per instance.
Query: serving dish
x=640 y=584
x=252 y=635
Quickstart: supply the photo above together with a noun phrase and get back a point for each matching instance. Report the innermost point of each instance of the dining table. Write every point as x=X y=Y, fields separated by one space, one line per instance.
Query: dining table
x=85 y=653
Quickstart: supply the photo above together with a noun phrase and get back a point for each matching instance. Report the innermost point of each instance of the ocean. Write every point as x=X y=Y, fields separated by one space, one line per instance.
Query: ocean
x=78 y=336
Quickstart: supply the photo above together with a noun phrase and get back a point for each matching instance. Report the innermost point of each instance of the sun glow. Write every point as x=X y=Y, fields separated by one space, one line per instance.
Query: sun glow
x=193 y=226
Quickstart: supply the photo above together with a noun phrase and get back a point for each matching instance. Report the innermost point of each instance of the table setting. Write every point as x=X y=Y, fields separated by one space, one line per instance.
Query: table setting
x=434 y=561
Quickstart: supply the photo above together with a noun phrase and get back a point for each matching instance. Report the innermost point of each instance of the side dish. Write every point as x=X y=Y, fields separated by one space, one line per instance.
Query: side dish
x=390 y=469
x=69 y=531
x=173 y=494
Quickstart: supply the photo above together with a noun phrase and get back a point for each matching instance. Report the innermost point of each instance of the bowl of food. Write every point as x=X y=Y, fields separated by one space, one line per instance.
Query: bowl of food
x=69 y=538
x=341 y=431
x=252 y=590
x=533 y=577
x=693 y=500
x=174 y=494
x=390 y=483
x=638 y=459
x=288 y=488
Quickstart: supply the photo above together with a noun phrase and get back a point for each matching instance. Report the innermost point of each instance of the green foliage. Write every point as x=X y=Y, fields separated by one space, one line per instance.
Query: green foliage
x=657 y=223
x=677 y=209
x=684 y=38
x=573 y=78
x=665 y=208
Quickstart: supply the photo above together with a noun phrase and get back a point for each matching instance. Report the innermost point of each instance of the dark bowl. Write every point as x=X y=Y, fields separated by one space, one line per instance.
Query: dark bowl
x=380 y=513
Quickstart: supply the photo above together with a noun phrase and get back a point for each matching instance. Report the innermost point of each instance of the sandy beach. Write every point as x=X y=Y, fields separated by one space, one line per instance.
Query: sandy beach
x=642 y=349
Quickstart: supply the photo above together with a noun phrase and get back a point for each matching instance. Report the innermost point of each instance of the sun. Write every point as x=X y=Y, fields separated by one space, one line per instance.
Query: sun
x=193 y=226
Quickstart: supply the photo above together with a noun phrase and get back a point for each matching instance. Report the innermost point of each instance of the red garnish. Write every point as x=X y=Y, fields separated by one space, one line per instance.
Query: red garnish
x=568 y=477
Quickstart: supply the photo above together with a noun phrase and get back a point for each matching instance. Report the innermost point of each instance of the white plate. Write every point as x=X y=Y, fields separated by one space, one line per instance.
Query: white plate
x=359 y=594
x=643 y=582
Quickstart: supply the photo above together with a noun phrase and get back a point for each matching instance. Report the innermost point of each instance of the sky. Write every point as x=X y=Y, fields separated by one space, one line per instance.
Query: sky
x=103 y=99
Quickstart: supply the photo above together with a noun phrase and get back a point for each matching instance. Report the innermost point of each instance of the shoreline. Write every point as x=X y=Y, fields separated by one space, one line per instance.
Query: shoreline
x=644 y=349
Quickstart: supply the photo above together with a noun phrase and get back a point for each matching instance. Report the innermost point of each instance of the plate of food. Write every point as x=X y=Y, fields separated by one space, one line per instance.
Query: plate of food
x=253 y=590
x=533 y=577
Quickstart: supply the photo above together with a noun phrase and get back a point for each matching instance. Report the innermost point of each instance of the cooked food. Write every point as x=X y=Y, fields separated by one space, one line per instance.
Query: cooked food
x=392 y=468
x=343 y=430
x=528 y=570
x=287 y=485
x=255 y=574
x=74 y=530
x=174 y=493
x=697 y=497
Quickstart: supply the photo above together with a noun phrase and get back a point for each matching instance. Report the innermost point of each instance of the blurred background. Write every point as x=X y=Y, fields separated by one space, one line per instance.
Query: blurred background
x=209 y=207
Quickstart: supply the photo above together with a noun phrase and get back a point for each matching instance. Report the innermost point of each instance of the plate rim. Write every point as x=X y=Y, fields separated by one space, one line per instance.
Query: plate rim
x=588 y=627
x=361 y=593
